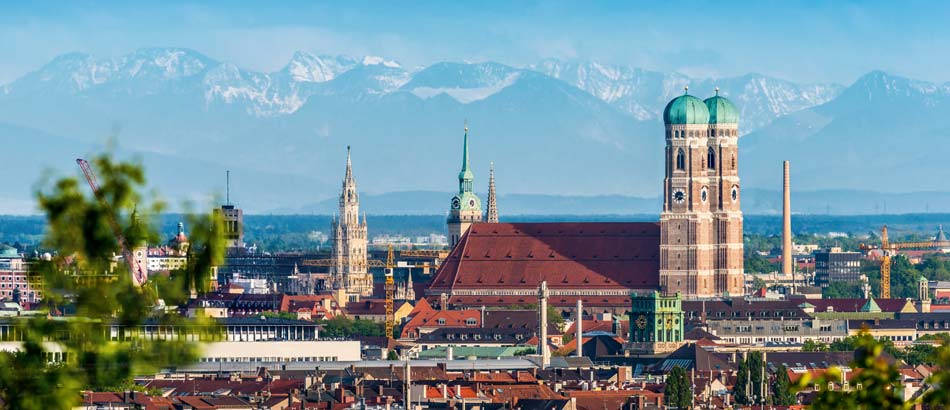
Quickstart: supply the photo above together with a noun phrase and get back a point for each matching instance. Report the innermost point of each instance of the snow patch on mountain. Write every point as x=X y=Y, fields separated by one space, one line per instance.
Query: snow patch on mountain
x=467 y=95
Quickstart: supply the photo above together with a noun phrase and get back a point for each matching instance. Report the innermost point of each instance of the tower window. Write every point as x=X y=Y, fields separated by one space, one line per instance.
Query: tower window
x=711 y=158
x=680 y=160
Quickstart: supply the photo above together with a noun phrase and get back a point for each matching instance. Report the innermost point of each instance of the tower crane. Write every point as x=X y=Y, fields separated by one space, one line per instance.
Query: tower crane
x=390 y=293
x=889 y=248
x=138 y=274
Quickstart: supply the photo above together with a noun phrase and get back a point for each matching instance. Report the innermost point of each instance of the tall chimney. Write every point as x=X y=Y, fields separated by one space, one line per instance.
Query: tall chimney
x=786 y=224
x=543 y=340
x=580 y=322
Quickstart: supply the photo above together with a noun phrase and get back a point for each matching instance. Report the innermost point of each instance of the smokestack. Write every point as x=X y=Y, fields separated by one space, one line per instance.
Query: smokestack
x=786 y=224
x=580 y=323
x=543 y=340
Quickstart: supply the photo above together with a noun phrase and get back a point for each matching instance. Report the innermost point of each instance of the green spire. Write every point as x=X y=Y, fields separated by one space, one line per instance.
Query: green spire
x=871 y=306
x=466 y=177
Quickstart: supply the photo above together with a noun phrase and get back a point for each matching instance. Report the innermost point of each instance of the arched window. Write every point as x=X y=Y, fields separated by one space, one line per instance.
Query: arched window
x=711 y=158
x=680 y=160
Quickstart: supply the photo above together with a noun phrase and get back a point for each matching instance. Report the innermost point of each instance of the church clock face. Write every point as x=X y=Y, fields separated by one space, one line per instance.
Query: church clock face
x=679 y=196
x=642 y=322
x=471 y=203
x=456 y=204
x=704 y=194
x=735 y=193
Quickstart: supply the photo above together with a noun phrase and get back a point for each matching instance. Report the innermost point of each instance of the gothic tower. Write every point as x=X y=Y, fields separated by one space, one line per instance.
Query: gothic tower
x=723 y=149
x=701 y=222
x=492 y=216
x=350 y=270
x=466 y=208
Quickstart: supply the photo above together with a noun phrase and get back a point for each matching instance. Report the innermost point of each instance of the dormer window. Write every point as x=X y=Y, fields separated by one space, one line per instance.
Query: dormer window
x=441 y=322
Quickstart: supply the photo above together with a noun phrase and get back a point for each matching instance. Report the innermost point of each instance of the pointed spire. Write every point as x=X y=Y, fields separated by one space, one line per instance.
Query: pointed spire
x=492 y=202
x=349 y=167
x=465 y=176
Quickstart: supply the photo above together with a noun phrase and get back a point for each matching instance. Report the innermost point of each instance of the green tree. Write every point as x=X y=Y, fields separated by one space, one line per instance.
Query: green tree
x=392 y=355
x=755 y=263
x=742 y=383
x=814 y=346
x=678 y=391
x=782 y=393
x=84 y=276
x=749 y=378
x=839 y=290
x=919 y=354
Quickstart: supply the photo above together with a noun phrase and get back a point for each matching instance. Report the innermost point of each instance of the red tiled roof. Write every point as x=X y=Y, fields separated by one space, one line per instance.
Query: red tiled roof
x=452 y=318
x=291 y=303
x=854 y=304
x=366 y=307
x=575 y=255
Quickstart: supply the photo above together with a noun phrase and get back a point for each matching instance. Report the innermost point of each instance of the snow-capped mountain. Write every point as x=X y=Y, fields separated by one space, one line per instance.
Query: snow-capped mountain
x=644 y=93
x=569 y=122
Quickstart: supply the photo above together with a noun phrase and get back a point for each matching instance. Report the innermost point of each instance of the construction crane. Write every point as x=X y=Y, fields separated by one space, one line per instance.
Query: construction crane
x=138 y=274
x=889 y=248
x=390 y=293
x=424 y=253
x=373 y=263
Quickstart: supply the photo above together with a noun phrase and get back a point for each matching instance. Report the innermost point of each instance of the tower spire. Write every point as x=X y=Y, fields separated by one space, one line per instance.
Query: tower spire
x=465 y=176
x=349 y=166
x=492 y=202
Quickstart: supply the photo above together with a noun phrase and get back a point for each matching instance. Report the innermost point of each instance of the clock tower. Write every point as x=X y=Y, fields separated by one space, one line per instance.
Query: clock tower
x=465 y=207
x=701 y=222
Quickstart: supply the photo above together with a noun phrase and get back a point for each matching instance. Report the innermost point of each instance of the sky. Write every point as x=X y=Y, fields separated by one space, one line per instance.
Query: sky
x=803 y=41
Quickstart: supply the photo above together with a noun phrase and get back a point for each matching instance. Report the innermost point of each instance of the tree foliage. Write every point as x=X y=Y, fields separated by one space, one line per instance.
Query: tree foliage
x=782 y=392
x=749 y=379
x=814 y=346
x=678 y=391
x=84 y=277
x=342 y=326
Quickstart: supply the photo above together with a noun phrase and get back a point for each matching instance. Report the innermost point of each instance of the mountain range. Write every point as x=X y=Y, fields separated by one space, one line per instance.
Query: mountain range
x=555 y=129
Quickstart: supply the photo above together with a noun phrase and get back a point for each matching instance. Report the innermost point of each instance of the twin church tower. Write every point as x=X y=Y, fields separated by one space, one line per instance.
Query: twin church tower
x=701 y=223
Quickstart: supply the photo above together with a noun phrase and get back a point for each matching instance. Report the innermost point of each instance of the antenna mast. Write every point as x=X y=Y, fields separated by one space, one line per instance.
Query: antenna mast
x=228 y=186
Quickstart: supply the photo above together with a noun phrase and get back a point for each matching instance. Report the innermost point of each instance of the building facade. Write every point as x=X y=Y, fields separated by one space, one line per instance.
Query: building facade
x=656 y=323
x=465 y=208
x=350 y=270
x=701 y=223
x=836 y=266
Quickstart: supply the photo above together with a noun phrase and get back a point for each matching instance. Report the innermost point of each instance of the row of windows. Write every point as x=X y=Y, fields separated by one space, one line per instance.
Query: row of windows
x=269 y=359
x=709 y=133
x=710 y=159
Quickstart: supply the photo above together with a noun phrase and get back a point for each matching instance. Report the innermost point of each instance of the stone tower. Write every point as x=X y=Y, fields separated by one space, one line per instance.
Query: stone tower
x=466 y=208
x=492 y=216
x=701 y=222
x=350 y=269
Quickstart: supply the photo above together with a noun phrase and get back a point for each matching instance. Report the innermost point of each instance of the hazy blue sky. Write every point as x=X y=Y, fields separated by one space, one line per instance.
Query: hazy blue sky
x=803 y=41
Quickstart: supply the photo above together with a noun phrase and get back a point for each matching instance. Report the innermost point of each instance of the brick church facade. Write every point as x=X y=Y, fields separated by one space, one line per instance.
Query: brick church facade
x=695 y=249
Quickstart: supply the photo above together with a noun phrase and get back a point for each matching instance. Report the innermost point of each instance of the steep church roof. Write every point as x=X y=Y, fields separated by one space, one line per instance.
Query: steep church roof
x=590 y=256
